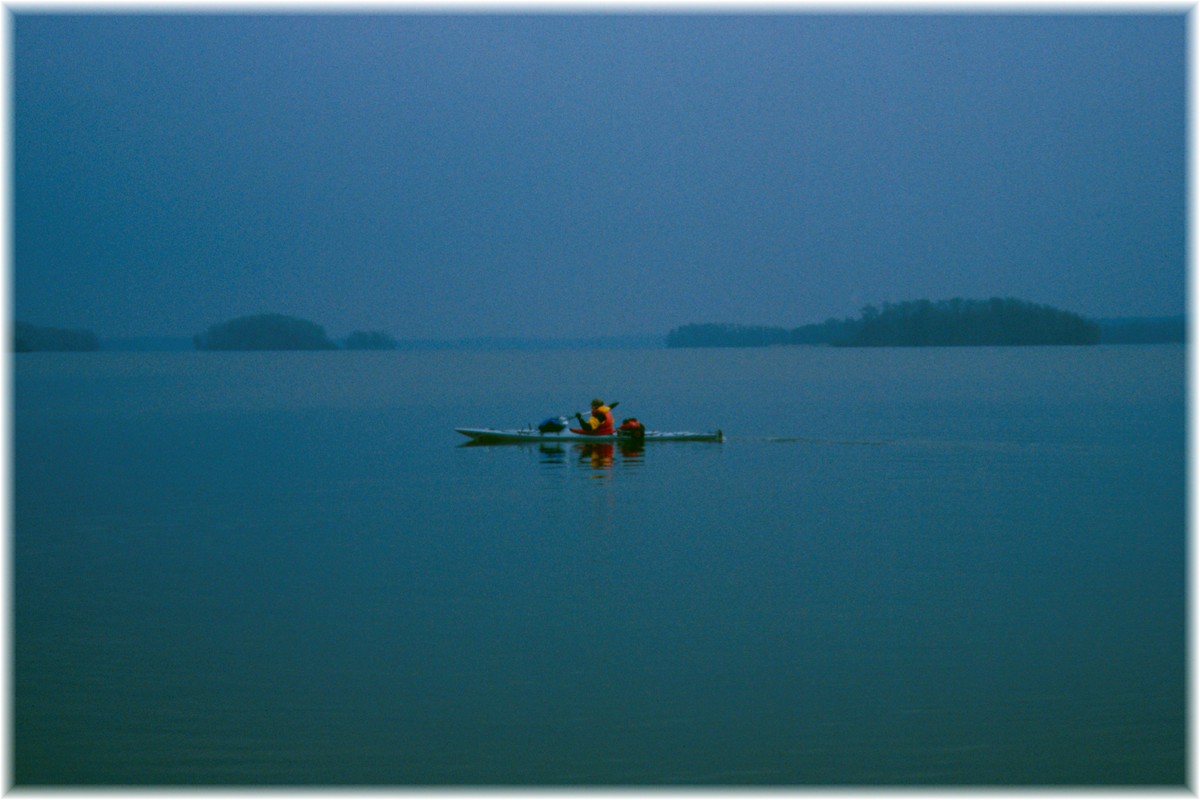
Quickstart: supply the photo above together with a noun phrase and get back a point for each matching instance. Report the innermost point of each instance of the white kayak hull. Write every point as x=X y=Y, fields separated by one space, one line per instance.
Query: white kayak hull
x=534 y=435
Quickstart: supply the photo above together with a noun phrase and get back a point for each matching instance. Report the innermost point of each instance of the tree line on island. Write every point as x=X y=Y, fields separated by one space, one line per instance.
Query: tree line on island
x=36 y=338
x=917 y=323
x=281 y=332
x=255 y=332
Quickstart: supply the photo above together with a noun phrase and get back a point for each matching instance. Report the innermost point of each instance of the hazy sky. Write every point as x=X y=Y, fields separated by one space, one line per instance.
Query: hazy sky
x=572 y=175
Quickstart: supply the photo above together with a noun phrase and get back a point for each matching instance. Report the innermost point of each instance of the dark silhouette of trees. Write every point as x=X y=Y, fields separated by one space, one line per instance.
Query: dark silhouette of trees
x=917 y=323
x=35 y=338
x=265 y=332
x=370 y=340
x=958 y=322
x=831 y=331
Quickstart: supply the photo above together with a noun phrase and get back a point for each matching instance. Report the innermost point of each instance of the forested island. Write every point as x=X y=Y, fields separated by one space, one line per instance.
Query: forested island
x=29 y=338
x=264 y=332
x=281 y=332
x=917 y=323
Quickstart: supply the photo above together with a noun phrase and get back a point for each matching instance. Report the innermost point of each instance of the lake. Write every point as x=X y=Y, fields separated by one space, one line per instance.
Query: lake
x=903 y=567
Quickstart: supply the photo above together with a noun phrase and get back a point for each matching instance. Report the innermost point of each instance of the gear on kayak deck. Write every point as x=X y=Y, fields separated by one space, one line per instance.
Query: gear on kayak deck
x=632 y=429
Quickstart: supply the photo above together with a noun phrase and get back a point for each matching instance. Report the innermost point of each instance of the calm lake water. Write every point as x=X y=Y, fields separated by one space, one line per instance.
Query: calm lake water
x=902 y=567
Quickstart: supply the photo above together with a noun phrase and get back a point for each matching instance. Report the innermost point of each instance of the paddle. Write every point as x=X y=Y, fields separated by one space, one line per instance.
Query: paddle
x=611 y=406
x=557 y=427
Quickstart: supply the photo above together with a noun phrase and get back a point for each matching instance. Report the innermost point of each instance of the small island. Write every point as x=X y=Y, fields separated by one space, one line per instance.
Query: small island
x=917 y=323
x=265 y=332
x=29 y=338
x=281 y=332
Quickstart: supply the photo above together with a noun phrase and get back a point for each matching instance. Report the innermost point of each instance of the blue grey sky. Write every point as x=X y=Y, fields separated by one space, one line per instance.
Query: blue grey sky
x=558 y=174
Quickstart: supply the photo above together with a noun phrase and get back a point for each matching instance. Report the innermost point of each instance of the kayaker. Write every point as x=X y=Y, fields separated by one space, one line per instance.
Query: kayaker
x=600 y=423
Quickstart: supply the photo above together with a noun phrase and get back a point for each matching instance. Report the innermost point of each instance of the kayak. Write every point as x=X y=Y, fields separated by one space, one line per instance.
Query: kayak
x=534 y=435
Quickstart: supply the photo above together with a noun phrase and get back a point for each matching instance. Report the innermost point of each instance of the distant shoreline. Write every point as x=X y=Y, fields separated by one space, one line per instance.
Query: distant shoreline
x=1115 y=330
x=998 y=322
x=173 y=344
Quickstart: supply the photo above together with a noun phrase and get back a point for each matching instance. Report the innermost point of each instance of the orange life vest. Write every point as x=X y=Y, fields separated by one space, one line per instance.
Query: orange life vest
x=600 y=423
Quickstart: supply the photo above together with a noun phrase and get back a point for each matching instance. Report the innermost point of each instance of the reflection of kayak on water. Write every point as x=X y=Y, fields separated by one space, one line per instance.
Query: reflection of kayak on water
x=533 y=435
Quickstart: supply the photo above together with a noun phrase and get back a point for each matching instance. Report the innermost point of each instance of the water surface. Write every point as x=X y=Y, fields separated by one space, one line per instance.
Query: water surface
x=902 y=567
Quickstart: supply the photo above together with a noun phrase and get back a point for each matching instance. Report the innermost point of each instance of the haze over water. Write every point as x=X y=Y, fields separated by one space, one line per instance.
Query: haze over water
x=440 y=176
x=902 y=567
